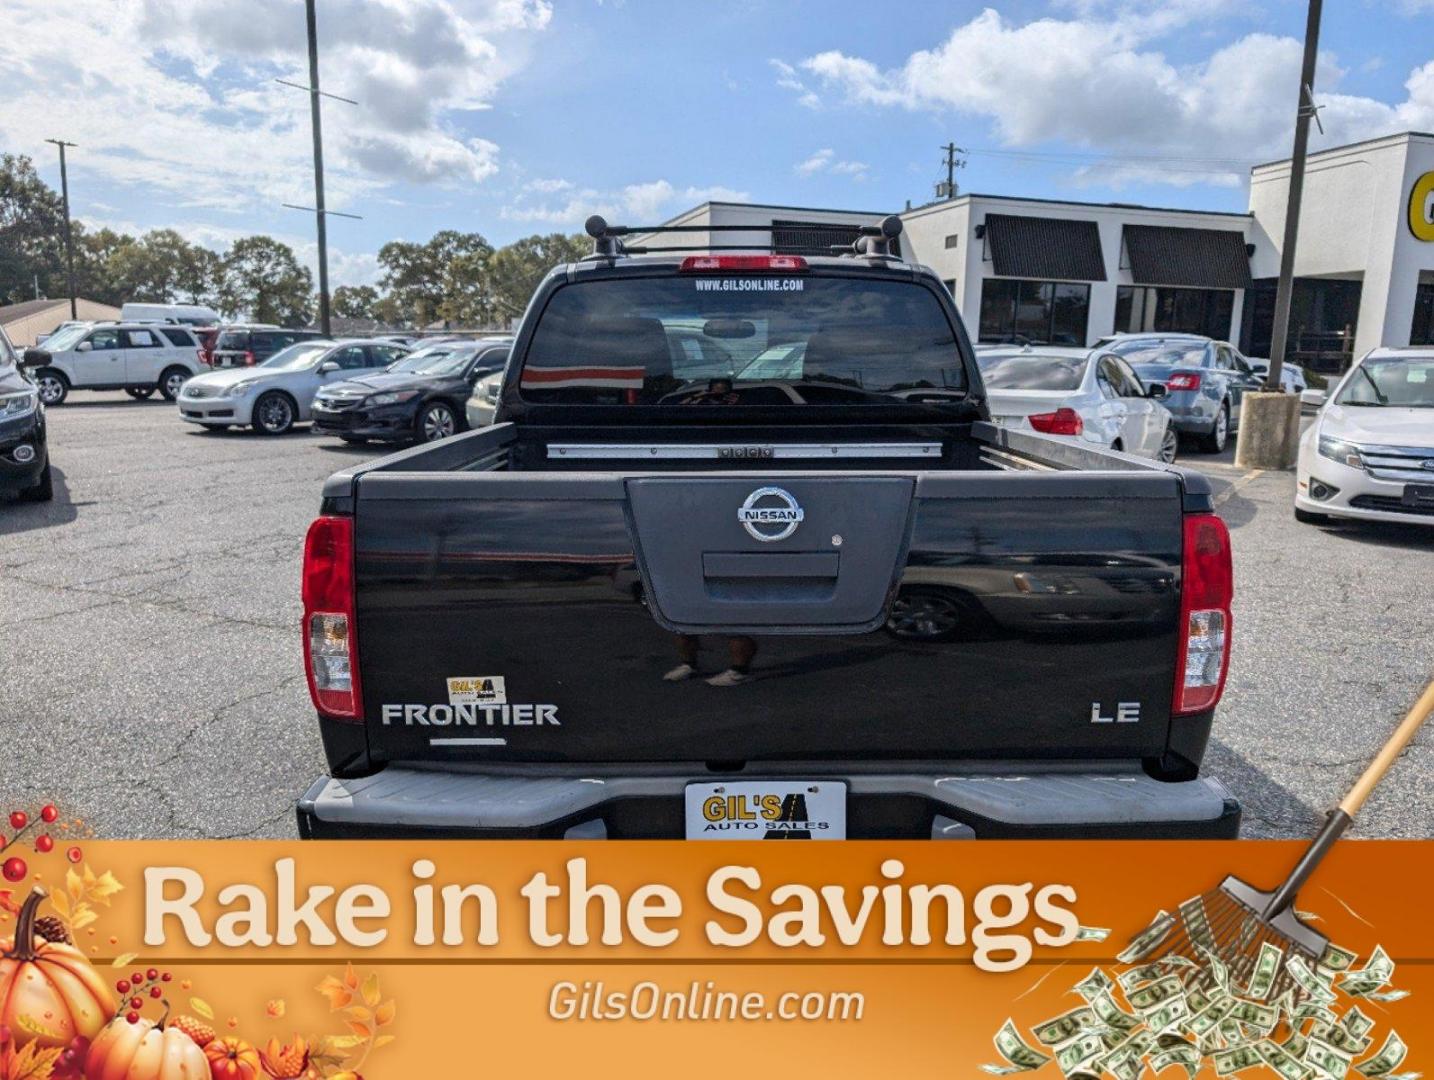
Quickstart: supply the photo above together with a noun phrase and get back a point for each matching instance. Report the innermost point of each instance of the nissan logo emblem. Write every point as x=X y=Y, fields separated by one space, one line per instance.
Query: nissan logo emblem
x=770 y=514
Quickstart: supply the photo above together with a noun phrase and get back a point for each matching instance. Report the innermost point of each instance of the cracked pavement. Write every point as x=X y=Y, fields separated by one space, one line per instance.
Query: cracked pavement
x=149 y=630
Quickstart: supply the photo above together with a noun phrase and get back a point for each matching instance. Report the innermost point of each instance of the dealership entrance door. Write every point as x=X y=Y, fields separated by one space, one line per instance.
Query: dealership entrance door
x=1324 y=313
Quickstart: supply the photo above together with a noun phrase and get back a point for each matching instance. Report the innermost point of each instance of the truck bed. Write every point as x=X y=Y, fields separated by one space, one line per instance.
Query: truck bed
x=992 y=602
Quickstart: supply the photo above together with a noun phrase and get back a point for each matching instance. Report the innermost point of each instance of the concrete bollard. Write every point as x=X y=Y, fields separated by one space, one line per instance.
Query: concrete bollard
x=1269 y=431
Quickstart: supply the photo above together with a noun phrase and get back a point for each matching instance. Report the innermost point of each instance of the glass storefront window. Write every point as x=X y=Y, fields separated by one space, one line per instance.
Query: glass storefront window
x=1038 y=312
x=1144 y=308
x=1422 y=332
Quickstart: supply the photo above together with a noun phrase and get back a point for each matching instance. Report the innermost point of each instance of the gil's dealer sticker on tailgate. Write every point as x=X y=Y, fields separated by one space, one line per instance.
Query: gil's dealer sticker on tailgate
x=477 y=690
x=767 y=810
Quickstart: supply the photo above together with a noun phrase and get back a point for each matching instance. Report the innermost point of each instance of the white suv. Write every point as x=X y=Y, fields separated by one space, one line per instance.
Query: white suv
x=136 y=357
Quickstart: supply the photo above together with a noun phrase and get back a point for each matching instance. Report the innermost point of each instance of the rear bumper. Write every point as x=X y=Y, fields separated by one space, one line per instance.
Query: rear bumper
x=1115 y=802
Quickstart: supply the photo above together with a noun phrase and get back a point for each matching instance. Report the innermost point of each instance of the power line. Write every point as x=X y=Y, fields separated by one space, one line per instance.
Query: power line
x=1209 y=166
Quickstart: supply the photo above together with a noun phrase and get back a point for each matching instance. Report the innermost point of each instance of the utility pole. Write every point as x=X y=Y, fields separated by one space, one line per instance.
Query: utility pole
x=1306 y=111
x=952 y=162
x=314 y=111
x=69 y=238
x=316 y=124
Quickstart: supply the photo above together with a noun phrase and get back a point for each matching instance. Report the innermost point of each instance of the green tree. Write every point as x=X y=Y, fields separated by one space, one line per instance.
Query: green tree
x=354 y=301
x=94 y=256
x=162 y=267
x=513 y=272
x=262 y=279
x=32 y=233
x=442 y=279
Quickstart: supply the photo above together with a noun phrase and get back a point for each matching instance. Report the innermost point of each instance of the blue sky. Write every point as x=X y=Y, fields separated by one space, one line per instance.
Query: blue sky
x=507 y=117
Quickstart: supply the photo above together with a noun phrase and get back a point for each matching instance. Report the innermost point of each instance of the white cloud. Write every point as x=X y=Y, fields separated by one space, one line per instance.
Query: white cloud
x=1098 y=81
x=825 y=160
x=788 y=79
x=177 y=96
x=638 y=204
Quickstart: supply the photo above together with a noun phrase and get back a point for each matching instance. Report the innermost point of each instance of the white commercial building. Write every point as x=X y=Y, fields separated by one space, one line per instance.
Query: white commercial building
x=1069 y=273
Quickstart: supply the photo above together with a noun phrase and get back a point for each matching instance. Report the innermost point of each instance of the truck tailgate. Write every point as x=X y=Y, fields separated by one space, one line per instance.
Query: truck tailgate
x=507 y=617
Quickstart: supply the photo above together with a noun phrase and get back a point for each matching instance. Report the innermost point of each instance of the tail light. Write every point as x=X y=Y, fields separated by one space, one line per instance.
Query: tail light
x=1060 y=422
x=248 y=359
x=1207 y=586
x=1183 y=380
x=698 y=264
x=330 y=646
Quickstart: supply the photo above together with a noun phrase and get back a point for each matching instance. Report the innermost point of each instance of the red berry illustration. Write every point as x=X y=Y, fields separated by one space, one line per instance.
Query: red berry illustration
x=136 y=1003
x=48 y=813
x=137 y=978
x=132 y=1017
x=3 y=842
x=14 y=869
x=44 y=844
x=155 y=992
x=122 y=986
x=166 y=977
x=74 y=854
x=19 y=819
x=152 y=974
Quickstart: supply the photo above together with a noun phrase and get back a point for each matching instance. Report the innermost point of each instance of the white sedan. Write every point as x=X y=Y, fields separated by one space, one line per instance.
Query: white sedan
x=1089 y=397
x=275 y=395
x=1370 y=451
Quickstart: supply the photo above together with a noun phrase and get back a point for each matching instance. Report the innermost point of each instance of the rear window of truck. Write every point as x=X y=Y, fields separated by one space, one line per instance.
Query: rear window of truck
x=750 y=340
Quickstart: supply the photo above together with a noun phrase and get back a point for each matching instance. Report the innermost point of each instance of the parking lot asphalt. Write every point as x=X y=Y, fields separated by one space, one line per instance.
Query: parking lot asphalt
x=151 y=679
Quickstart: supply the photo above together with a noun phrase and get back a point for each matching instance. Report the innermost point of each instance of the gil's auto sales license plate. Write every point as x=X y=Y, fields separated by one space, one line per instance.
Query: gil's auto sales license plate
x=767 y=810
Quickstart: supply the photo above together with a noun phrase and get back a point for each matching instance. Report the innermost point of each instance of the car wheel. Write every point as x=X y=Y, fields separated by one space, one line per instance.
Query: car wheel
x=1169 y=446
x=52 y=387
x=436 y=421
x=1214 y=442
x=274 y=413
x=172 y=381
x=139 y=393
x=1308 y=517
x=924 y=616
x=44 y=491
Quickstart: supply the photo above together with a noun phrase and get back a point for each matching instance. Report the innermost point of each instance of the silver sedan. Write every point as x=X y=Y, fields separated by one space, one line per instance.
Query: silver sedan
x=1089 y=397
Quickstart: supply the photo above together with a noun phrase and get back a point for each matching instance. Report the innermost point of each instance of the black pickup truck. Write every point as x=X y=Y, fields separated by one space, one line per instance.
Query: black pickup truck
x=792 y=585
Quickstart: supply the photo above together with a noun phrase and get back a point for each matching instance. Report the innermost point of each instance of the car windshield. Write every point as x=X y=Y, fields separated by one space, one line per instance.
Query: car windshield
x=1030 y=371
x=233 y=339
x=1157 y=353
x=66 y=339
x=301 y=355
x=695 y=339
x=1400 y=382
x=435 y=360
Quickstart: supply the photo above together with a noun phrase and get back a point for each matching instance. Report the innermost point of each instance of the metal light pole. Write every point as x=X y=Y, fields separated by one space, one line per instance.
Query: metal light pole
x=69 y=238
x=314 y=111
x=1284 y=293
x=316 y=124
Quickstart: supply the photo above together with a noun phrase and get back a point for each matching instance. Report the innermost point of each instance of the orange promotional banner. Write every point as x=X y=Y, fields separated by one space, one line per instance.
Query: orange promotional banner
x=397 y=959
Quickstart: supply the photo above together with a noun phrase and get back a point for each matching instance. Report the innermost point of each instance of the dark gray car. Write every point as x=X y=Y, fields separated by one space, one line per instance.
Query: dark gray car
x=1205 y=381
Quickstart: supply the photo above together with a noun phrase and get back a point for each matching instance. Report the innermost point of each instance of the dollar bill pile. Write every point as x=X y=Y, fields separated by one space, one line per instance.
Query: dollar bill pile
x=1193 y=1012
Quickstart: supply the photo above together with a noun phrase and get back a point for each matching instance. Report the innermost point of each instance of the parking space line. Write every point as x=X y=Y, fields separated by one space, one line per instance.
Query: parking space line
x=1237 y=486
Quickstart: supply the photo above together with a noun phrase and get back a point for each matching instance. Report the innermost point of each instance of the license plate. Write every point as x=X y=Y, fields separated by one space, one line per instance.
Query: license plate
x=1420 y=495
x=767 y=810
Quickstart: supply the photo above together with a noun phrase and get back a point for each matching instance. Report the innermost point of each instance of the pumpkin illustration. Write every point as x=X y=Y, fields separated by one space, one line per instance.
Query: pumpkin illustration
x=231 y=1058
x=144 y=1050
x=49 y=994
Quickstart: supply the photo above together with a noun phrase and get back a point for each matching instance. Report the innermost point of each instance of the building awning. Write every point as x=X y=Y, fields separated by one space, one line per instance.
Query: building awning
x=1198 y=258
x=1044 y=248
